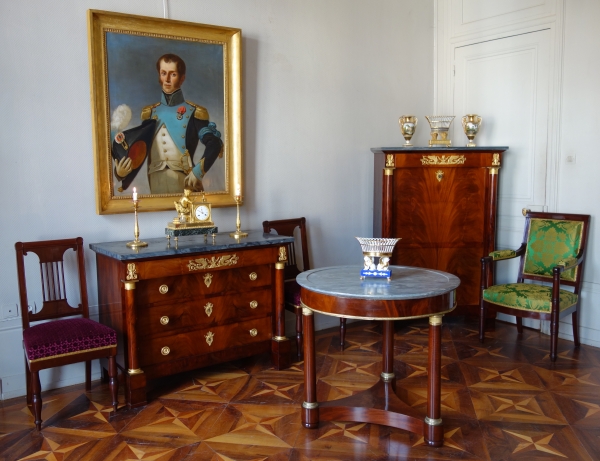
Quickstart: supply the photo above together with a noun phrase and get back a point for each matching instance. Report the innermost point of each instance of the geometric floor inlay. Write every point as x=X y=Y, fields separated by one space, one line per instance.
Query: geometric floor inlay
x=501 y=400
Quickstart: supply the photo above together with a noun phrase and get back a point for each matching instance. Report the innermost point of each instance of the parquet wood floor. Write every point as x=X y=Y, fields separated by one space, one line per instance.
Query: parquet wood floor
x=503 y=400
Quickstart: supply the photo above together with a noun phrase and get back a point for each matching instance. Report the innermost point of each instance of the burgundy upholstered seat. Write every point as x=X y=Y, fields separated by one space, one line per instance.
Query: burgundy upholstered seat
x=64 y=337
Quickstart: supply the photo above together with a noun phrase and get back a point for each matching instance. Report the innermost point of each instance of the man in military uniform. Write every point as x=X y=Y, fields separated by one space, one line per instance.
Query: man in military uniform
x=178 y=127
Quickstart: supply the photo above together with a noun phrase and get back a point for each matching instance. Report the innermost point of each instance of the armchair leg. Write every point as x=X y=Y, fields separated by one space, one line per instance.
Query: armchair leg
x=36 y=399
x=482 y=314
x=113 y=382
x=520 y=325
x=342 y=332
x=575 y=329
x=553 y=337
x=299 y=331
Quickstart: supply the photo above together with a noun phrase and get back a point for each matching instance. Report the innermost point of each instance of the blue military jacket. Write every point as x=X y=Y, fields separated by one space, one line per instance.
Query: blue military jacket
x=187 y=124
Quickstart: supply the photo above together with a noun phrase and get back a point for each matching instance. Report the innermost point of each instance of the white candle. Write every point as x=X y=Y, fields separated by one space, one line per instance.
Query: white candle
x=134 y=194
x=238 y=190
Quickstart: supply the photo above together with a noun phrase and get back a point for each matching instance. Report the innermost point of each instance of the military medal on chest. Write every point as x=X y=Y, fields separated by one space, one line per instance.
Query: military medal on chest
x=192 y=218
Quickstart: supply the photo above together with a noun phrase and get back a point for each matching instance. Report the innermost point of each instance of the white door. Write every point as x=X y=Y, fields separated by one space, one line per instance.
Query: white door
x=507 y=82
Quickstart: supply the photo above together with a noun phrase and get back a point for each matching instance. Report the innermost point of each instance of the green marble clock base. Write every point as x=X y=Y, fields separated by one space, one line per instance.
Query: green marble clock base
x=190 y=231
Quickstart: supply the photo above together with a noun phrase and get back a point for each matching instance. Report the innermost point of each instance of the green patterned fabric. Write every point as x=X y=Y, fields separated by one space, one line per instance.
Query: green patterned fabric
x=549 y=242
x=527 y=297
x=503 y=254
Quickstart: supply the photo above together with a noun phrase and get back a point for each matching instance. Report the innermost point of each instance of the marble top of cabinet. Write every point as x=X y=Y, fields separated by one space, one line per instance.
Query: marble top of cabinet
x=421 y=150
x=406 y=283
x=158 y=247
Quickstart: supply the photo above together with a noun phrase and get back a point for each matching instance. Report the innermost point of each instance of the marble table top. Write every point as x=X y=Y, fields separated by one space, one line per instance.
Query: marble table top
x=406 y=283
x=186 y=245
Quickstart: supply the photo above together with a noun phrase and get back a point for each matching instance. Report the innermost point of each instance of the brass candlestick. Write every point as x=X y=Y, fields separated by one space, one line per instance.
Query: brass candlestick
x=136 y=243
x=238 y=224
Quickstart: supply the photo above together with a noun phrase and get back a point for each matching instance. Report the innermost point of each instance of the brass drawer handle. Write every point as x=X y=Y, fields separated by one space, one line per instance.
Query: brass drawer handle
x=163 y=289
x=165 y=350
x=253 y=304
x=208 y=309
x=164 y=320
x=253 y=276
x=209 y=337
x=253 y=332
x=207 y=279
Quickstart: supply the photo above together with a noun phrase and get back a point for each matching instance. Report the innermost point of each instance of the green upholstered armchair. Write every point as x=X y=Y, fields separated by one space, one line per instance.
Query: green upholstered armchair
x=552 y=251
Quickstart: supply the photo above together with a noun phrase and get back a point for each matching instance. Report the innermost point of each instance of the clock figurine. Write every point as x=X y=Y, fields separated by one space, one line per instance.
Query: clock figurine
x=192 y=218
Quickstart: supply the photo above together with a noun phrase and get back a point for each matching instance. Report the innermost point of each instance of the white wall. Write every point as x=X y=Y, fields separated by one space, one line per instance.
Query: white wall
x=324 y=81
x=578 y=185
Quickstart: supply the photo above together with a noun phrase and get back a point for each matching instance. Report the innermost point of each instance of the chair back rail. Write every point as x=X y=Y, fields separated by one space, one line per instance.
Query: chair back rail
x=51 y=260
x=287 y=227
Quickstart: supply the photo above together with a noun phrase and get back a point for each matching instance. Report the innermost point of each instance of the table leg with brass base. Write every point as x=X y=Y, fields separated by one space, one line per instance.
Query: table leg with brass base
x=310 y=407
x=379 y=404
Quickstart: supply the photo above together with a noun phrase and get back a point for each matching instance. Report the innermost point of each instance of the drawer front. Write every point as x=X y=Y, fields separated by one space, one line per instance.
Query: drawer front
x=203 y=312
x=168 y=290
x=203 y=262
x=155 y=351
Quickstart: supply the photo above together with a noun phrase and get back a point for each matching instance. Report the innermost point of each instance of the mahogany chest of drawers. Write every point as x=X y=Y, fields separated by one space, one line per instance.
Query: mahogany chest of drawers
x=179 y=307
x=442 y=203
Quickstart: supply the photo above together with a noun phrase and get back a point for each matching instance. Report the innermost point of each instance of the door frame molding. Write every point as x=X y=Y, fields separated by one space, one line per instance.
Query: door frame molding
x=445 y=44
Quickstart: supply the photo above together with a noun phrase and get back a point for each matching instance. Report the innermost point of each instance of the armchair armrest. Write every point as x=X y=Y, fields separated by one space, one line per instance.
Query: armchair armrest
x=503 y=254
x=568 y=263
x=499 y=255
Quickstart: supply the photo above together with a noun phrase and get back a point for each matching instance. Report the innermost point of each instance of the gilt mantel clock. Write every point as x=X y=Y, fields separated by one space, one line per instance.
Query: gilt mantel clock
x=192 y=218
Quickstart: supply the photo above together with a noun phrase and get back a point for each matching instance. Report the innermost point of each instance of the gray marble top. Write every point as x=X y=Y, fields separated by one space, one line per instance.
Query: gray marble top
x=189 y=244
x=421 y=150
x=406 y=283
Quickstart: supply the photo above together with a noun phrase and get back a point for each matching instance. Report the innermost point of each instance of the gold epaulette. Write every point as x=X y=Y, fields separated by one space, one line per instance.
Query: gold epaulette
x=200 y=112
x=147 y=111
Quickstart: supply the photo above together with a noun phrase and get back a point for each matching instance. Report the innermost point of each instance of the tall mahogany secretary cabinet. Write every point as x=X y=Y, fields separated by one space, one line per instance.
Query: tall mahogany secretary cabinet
x=442 y=203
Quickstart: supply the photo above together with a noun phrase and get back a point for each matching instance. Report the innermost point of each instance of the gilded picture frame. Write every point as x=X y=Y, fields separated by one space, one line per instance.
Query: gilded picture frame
x=158 y=125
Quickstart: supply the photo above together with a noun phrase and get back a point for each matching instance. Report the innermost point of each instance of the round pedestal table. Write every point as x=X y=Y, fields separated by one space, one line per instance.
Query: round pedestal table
x=411 y=293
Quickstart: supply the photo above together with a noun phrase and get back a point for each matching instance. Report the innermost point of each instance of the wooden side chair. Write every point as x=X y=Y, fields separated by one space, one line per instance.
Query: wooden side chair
x=292 y=289
x=552 y=251
x=63 y=339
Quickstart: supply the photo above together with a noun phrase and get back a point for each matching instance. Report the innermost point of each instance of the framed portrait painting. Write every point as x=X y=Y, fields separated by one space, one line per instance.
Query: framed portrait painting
x=166 y=111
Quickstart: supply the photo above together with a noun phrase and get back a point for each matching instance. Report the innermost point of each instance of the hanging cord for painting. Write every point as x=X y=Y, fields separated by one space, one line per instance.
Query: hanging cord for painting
x=166 y=9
